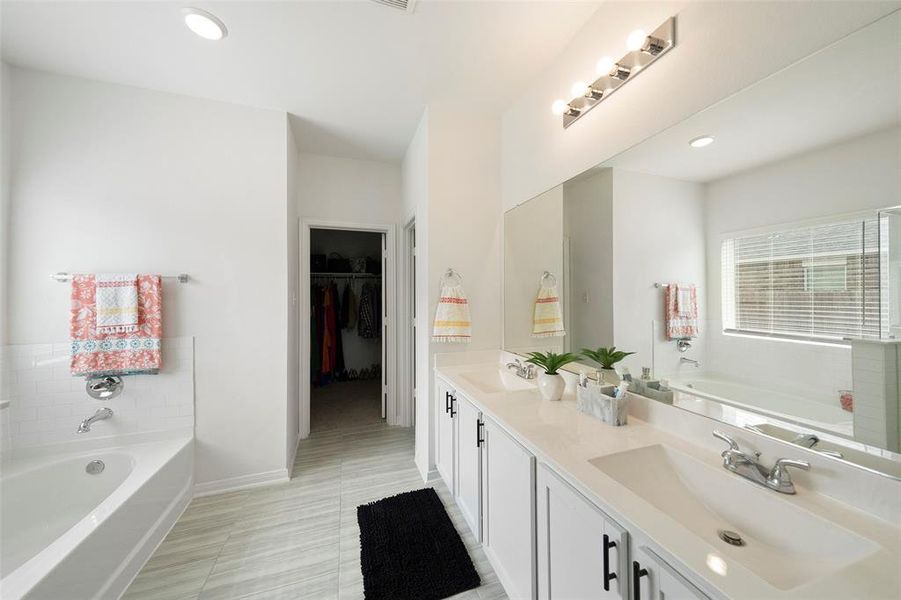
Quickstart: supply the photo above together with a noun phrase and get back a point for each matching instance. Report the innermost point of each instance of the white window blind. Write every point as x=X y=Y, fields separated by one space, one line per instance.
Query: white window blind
x=814 y=282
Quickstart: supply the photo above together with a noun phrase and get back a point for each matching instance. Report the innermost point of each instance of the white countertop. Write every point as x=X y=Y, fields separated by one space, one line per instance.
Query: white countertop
x=565 y=439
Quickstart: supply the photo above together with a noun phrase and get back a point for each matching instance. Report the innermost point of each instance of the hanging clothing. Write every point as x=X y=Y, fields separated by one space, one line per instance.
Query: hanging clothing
x=370 y=323
x=315 y=333
x=338 y=365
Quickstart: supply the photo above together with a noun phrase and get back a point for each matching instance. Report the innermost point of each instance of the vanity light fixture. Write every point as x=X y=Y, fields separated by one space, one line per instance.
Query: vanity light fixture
x=205 y=24
x=701 y=141
x=612 y=74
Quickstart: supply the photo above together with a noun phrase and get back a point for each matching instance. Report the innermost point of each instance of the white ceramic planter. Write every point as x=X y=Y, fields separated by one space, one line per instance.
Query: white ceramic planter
x=611 y=376
x=551 y=386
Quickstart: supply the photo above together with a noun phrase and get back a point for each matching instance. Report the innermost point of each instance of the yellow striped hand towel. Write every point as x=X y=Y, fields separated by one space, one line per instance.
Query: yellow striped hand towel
x=548 y=318
x=452 y=321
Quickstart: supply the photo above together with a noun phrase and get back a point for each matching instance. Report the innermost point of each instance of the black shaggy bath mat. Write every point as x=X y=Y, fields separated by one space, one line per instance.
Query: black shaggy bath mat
x=409 y=549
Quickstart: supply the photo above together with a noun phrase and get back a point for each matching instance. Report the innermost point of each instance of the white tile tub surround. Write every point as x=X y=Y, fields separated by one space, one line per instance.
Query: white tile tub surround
x=46 y=403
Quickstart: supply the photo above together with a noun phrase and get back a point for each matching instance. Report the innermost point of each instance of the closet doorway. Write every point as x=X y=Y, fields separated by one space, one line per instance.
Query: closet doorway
x=347 y=308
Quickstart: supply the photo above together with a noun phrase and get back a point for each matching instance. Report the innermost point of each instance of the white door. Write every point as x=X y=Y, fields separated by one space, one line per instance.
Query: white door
x=508 y=510
x=582 y=553
x=446 y=411
x=469 y=463
x=654 y=579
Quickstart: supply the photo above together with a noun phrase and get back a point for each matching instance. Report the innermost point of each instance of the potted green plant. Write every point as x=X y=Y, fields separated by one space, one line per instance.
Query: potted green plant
x=550 y=383
x=607 y=358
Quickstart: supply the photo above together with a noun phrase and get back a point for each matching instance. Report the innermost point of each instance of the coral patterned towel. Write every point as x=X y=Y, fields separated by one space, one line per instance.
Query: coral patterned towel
x=547 y=320
x=680 y=311
x=452 y=321
x=120 y=353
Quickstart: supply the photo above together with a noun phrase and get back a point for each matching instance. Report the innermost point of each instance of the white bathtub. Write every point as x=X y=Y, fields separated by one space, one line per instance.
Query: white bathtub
x=69 y=534
x=693 y=392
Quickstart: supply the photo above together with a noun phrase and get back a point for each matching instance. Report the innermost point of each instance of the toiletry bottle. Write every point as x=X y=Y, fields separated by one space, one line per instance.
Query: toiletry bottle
x=627 y=376
x=583 y=380
x=646 y=372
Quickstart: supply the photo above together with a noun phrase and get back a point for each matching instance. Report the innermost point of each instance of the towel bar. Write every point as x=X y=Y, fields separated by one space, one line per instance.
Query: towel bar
x=64 y=277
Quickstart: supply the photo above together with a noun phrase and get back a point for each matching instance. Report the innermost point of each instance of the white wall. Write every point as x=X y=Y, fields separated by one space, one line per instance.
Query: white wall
x=292 y=249
x=116 y=178
x=588 y=211
x=345 y=189
x=860 y=174
x=452 y=184
x=5 y=125
x=415 y=199
x=533 y=243
x=658 y=237
x=721 y=48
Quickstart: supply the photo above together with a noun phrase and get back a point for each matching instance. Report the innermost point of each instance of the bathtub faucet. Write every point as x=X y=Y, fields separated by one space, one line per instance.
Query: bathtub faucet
x=690 y=361
x=101 y=415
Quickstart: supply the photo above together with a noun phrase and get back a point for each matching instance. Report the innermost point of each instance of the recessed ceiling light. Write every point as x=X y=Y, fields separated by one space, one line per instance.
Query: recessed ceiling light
x=700 y=142
x=204 y=24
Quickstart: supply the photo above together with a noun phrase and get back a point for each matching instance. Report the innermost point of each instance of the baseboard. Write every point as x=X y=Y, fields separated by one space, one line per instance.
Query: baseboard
x=135 y=561
x=241 y=482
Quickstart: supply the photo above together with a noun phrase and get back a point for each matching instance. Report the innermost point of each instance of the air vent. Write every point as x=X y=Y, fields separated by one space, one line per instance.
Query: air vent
x=404 y=5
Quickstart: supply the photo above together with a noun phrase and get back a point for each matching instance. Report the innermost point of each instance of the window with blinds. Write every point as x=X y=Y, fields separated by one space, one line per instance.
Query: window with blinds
x=817 y=283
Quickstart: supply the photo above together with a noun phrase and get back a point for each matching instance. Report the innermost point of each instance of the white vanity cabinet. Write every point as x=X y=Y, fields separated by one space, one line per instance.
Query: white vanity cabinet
x=582 y=553
x=446 y=432
x=508 y=509
x=468 y=460
x=654 y=579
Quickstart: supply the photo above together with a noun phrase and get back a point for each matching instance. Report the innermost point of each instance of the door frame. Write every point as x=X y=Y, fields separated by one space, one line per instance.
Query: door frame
x=389 y=285
x=406 y=345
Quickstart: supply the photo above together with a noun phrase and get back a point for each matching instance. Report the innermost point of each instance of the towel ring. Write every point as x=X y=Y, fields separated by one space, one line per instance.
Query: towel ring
x=451 y=275
x=548 y=275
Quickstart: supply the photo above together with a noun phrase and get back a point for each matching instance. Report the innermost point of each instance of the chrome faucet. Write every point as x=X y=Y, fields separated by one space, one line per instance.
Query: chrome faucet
x=741 y=463
x=526 y=371
x=690 y=361
x=101 y=415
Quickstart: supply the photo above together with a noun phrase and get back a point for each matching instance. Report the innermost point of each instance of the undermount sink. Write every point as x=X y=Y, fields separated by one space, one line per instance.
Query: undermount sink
x=494 y=381
x=785 y=545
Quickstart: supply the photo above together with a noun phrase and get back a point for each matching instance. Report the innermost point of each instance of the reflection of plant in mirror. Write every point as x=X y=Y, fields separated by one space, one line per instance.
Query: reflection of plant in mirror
x=551 y=361
x=606 y=357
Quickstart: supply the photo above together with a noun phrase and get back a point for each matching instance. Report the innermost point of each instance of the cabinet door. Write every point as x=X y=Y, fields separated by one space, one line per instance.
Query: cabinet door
x=444 y=459
x=469 y=464
x=655 y=579
x=508 y=510
x=582 y=553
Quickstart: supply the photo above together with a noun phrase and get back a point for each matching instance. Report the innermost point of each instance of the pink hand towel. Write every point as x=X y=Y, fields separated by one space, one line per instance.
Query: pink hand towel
x=119 y=353
x=680 y=306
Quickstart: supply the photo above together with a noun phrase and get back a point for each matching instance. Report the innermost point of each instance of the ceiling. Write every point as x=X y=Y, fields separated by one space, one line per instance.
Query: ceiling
x=354 y=75
x=846 y=90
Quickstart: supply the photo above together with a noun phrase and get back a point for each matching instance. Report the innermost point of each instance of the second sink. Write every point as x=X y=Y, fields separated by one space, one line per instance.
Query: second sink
x=785 y=545
x=494 y=381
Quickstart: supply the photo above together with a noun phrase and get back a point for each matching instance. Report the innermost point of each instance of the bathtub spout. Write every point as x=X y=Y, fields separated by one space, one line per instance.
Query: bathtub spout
x=101 y=415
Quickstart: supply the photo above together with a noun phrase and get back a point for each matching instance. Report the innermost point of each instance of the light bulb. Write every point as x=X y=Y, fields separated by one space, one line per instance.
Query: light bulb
x=605 y=65
x=701 y=141
x=579 y=88
x=559 y=107
x=636 y=40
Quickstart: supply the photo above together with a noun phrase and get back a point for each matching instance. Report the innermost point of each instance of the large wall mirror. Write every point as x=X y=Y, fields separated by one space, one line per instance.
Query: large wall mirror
x=750 y=256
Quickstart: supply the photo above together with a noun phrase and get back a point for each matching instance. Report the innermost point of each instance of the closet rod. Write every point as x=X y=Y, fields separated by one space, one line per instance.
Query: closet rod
x=343 y=275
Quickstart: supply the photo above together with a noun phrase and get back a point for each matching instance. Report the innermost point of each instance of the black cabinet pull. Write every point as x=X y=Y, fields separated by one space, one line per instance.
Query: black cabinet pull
x=452 y=410
x=479 y=439
x=607 y=574
x=637 y=574
x=447 y=402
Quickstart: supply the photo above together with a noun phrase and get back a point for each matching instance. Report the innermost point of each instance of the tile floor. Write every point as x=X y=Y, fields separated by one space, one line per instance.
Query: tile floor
x=299 y=539
x=335 y=405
